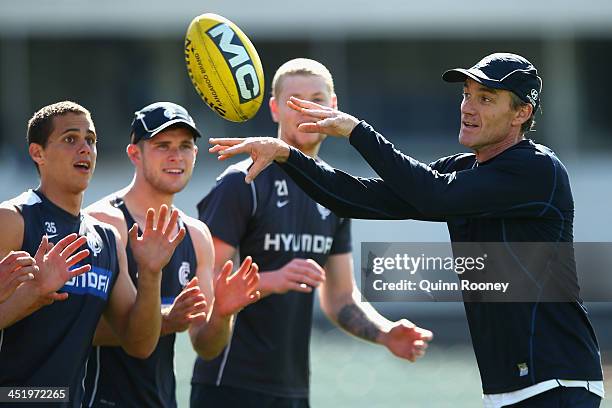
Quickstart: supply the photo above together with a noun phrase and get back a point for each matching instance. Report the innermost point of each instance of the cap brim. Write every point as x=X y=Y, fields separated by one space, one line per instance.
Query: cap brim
x=461 y=74
x=174 y=122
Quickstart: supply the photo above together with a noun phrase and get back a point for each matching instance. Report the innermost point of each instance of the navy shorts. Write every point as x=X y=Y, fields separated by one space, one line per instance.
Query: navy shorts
x=211 y=396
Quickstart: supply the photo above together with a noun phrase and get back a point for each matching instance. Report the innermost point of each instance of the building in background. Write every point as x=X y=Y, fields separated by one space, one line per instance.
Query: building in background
x=114 y=56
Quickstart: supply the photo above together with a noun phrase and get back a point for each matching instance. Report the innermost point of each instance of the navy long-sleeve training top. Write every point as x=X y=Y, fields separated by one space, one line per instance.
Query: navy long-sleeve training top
x=521 y=195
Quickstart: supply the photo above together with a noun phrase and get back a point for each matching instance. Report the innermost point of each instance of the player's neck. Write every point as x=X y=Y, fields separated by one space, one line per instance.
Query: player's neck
x=140 y=196
x=67 y=201
x=312 y=152
x=488 y=152
x=308 y=150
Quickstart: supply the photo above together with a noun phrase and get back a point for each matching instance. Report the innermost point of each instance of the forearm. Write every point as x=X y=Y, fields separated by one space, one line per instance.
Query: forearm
x=508 y=186
x=210 y=338
x=166 y=324
x=105 y=336
x=409 y=178
x=360 y=319
x=267 y=284
x=143 y=325
x=22 y=303
x=344 y=194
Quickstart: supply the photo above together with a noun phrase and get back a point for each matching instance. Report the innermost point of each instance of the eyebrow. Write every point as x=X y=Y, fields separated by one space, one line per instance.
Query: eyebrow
x=487 y=89
x=78 y=130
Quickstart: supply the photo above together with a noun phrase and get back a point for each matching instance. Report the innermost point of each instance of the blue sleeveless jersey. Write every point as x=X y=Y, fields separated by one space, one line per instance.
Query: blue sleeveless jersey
x=274 y=221
x=50 y=347
x=114 y=378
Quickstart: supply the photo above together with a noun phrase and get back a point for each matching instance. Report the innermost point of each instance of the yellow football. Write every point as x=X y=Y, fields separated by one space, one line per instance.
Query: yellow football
x=224 y=67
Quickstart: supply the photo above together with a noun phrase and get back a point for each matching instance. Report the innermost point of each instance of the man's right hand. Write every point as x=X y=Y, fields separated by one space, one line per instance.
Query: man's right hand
x=263 y=151
x=15 y=268
x=300 y=275
x=54 y=263
x=154 y=248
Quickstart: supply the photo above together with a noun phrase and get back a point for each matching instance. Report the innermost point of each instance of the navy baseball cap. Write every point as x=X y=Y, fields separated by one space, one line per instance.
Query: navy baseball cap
x=158 y=116
x=503 y=71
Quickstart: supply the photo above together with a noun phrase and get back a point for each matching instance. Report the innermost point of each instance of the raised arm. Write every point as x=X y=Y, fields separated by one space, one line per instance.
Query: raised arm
x=518 y=184
x=346 y=195
x=231 y=291
x=135 y=316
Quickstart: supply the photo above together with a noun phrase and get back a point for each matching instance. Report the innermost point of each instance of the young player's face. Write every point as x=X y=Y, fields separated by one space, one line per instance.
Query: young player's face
x=168 y=159
x=309 y=87
x=487 y=117
x=69 y=158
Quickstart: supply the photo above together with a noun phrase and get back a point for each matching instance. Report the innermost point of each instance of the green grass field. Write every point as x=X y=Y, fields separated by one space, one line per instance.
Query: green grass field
x=350 y=373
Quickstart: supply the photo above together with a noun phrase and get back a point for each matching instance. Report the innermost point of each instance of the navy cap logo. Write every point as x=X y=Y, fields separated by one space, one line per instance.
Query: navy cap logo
x=533 y=97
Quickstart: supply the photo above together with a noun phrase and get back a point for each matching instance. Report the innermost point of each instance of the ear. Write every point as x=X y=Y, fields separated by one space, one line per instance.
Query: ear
x=334 y=101
x=134 y=153
x=37 y=153
x=522 y=114
x=274 y=109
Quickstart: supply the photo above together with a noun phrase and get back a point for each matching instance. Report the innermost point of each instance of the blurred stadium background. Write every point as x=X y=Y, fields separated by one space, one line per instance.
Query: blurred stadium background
x=116 y=56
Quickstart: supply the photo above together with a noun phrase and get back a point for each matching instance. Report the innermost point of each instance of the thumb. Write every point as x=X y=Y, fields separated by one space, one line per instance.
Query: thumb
x=133 y=233
x=42 y=249
x=258 y=165
x=192 y=283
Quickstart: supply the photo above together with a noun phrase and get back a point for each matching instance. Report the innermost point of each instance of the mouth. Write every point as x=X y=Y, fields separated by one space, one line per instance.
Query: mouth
x=82 y=165
x=469 y=125
x=174 y=171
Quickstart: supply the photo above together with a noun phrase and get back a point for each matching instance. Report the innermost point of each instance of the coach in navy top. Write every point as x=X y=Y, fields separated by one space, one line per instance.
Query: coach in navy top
x=509 y=190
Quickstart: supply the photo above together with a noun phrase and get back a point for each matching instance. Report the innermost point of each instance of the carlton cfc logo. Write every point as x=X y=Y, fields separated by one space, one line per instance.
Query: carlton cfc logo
x=183 y=273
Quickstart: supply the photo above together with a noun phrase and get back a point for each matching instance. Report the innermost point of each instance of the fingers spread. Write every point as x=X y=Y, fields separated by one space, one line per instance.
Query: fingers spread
x=78 y=257
x=226 y=271
x=161 y=220
x=178 y=237
x=306 y=104
x=80 y=270
x=149 y=219
x=256 y=168
x=133 y=233
x=225 y=141
x=42 y=248
x=310 y=128
x=64 y=242
x=70 y=249
x=192 y=283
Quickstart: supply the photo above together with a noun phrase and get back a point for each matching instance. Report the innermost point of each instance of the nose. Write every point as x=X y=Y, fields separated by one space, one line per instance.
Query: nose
x=174 y=154
x=467 y=106
x=85 y=148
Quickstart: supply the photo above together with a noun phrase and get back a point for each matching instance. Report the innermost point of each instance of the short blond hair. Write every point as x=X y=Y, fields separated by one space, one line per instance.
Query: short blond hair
x=301 y=66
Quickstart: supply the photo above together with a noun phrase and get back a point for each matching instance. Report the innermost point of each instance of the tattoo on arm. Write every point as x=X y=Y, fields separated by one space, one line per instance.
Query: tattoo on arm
x=355 y=321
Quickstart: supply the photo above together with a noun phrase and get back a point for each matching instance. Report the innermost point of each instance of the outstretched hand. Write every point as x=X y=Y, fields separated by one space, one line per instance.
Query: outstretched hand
x=154 y=248
x=326 y=120
x=235 y=291
x=55 y=263
x=263 y=151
